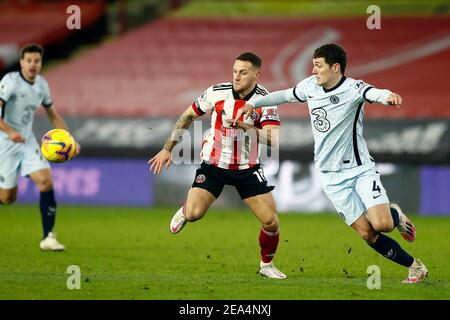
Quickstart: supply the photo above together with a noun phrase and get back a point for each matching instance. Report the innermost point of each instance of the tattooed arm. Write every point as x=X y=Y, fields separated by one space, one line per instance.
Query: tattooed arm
x=183 y=122
x=164 y=157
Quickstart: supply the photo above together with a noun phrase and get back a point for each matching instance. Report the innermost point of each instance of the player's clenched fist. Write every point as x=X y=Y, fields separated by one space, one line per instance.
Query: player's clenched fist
x=246 y=110
x=394 y=99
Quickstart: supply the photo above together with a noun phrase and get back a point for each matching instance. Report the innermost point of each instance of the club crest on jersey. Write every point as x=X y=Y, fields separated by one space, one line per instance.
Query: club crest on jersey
x=334 y=99
x=254 y=116
x=200 y=178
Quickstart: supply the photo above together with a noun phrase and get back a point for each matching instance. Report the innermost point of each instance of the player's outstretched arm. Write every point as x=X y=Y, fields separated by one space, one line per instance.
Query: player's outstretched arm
x=269 y=135
x=384 y=96
x=58 y=123
x=164 y=157
x=272 y=99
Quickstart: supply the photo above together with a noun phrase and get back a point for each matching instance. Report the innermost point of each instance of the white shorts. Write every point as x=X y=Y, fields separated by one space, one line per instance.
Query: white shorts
x=353 y=191
x=19 y=158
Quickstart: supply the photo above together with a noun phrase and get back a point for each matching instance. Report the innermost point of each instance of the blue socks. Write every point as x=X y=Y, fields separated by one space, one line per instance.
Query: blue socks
x=395 y=216
x=48 y=211
x=390 y=249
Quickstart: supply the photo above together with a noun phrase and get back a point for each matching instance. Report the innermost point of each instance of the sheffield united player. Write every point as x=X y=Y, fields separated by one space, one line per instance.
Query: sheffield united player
x=230 y=155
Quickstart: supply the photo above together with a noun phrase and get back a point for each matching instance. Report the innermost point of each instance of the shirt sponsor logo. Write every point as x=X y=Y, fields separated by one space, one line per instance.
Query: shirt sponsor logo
x=232 y=133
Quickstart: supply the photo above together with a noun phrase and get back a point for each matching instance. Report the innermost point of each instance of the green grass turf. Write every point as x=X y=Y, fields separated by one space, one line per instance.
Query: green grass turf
x=311 y=8
x=129 y=253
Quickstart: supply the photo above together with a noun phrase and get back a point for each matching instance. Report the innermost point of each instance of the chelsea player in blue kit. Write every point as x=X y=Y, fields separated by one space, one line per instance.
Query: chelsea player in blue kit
x=21 y=93
x=347 y=171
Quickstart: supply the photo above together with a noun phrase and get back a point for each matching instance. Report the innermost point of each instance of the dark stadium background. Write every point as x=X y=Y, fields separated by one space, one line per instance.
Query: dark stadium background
x=124 y=77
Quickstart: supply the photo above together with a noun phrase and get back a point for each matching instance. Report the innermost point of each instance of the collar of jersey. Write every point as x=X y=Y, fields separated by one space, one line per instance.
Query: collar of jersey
x=336 y=86
x=23 y=78
x=247 y=97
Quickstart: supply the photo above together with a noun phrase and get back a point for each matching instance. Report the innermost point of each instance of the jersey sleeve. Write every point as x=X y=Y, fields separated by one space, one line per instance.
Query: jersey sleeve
x=6 y=88
x=269 y=116
x=361 y=89
x=47 y=99
x=299 y=90
x=203 y=103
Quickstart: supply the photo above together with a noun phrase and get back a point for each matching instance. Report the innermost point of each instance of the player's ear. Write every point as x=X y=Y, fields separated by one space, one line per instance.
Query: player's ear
x=338 y=68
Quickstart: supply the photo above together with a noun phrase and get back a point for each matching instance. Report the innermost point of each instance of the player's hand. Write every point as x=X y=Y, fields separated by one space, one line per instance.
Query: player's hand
x=394 y=99
x=246 y=110
x=156 y=163
x=239 y=124
x=16 y=137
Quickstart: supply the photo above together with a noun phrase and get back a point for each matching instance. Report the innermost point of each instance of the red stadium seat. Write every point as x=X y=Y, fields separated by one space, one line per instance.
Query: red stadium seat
x=158 y=69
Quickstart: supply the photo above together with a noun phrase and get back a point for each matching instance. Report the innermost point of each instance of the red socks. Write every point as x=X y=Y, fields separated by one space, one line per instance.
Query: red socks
x=268 y=241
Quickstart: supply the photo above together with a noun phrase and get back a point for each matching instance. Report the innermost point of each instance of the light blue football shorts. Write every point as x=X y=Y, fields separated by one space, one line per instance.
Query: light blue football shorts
x=353 y=191
x=19 y=158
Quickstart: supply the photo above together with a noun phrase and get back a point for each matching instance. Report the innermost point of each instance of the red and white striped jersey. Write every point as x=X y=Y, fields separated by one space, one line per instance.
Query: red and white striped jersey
x=224 y=146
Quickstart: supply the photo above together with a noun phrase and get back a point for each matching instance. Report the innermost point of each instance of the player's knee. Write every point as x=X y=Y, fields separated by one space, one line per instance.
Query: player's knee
x=8 y=199
x=45 y=184
x=193 y=213
x=368 y=236
x=270 y=223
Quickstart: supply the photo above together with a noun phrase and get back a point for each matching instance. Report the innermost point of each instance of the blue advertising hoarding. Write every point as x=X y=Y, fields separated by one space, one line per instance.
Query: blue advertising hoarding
x=98 y=181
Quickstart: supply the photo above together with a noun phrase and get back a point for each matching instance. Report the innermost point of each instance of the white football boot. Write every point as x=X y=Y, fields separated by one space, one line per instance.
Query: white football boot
x=417 y=272
x=268 y=270
x=405 y=226
x=51 y=244
x=178 y=221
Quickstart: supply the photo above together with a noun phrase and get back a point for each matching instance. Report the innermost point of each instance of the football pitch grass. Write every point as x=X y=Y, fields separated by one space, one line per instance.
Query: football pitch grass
x=128 y=253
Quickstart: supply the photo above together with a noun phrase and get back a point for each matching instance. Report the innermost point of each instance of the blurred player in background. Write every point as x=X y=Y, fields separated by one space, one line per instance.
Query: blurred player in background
x=347 y=171
x=230 y=155
x=21 y=93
